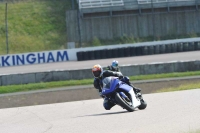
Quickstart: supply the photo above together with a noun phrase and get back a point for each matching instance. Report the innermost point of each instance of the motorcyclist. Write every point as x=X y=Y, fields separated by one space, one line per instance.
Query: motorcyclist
x=115 y=67
x=99 y=75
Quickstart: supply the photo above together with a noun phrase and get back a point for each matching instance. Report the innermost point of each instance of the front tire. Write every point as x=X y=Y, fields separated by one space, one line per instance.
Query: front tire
x=123 y=103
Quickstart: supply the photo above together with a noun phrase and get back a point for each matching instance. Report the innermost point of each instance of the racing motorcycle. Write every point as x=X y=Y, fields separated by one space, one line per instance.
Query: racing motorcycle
x=122 y=94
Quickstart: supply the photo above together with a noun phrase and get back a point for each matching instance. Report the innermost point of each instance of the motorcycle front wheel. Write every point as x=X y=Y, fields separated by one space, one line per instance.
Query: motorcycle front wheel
x=123 y=103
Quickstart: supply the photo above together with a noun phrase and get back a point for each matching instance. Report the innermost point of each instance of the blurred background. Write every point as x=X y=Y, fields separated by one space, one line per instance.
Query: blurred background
x=40 y=25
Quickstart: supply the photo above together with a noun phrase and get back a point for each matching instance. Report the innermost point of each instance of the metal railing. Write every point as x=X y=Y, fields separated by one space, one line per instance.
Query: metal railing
x=99 y=3
x=159 y=1
x=151 y=1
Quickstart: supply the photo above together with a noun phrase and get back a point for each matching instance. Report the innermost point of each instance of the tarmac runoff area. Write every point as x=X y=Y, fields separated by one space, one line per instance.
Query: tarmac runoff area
x=85 y=92
x=169 y=112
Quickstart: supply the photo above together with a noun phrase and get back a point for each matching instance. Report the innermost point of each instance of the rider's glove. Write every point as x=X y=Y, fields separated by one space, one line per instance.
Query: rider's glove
x=101 y=95
x=121 y=77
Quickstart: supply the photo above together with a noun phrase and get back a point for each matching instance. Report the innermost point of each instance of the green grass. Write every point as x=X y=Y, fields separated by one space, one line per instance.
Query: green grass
x=131 y=39
x=165 y=75
x=180 y=88
x=195 y=131
x=34 y=26
x=47 y=85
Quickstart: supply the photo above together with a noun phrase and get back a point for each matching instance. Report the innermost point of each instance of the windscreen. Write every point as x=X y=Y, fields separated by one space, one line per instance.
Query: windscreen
x=106 y=82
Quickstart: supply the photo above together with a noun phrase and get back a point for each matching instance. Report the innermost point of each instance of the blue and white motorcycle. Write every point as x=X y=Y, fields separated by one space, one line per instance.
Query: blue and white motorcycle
x=122 y=94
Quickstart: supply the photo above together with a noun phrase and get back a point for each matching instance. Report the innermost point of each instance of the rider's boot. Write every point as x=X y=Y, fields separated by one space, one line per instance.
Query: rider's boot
x=136 y=90
x=108 y=104
x=126 y=80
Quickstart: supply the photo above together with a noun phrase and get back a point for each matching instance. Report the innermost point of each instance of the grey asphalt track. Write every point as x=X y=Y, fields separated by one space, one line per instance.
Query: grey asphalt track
x=71 y=65
x=170 y=112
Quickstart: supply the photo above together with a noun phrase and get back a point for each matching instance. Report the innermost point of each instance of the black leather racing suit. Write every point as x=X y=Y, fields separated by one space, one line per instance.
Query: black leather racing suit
x=111 y=68
x=111 y=71
x=98 y=81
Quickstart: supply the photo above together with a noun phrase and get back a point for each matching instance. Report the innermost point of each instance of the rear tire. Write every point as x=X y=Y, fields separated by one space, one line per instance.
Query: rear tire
x=143 y=104
x=123 y=103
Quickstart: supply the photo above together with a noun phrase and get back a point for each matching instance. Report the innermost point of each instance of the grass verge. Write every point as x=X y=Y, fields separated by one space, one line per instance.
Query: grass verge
x=196 y=131
x=38 y=25
x=47 y=85
x=180 y=88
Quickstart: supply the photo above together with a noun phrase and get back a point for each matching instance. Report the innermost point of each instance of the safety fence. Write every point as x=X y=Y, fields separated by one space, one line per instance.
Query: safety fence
x=138 y=50
x=99 y=3
x=105 y=5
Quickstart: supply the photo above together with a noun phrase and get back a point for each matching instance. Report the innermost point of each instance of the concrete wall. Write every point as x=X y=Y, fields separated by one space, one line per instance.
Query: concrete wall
x=159 y=24
x=131 y=70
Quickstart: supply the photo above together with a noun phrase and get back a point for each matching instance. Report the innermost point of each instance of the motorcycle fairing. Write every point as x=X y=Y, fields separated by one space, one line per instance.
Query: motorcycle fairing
x=113 y=84
x=125 y=87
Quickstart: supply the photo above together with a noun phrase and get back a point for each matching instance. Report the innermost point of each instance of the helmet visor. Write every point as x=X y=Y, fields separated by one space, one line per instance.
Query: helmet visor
x=114 y=64
x=96 y=73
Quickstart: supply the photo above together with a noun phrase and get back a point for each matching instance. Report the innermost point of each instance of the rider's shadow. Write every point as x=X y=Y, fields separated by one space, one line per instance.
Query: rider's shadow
x=101 y=114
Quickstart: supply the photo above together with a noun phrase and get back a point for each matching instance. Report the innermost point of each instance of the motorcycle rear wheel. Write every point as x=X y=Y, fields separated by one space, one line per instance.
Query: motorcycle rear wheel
x=123 y=103
x=143 y=105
